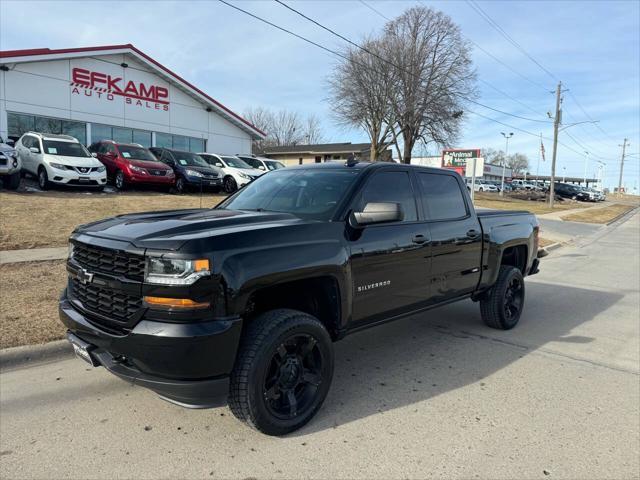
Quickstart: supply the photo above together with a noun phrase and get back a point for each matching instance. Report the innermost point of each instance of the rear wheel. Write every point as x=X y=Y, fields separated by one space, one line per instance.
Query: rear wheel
x=282 y=373
x=503 y=304
x=43 y=179
x=181 y=185
x=12 y=182
x=119 y=180
x=230 y=184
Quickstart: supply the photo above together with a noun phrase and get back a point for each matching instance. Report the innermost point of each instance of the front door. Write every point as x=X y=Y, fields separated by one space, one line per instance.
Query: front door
x=389 y=261
x=456 y=240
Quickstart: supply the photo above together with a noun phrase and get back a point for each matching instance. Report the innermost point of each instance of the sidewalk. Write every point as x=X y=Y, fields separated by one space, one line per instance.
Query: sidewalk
x=33 y=255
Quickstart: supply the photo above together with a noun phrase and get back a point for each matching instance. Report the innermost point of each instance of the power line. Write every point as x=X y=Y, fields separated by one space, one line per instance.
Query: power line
x=508 y=37
x=589 y=117
x=509 y=96
x=342 y=37
x=374 y=10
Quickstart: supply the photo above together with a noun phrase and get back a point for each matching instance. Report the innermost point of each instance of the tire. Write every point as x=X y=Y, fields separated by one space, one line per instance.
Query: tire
x=12 y=182
x=502 y=306
x=180 y=185
x=43 y=179
x=230 y=184
x=282 y=373
x=119 y=182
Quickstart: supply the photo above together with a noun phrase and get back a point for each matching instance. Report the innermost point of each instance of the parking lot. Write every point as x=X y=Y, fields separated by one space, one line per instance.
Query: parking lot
x=436 y=395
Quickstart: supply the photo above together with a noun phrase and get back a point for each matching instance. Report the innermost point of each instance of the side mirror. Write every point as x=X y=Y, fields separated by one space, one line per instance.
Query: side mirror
x=94 y=155
x=261 y=167
x=377 y=213
x=34 y=149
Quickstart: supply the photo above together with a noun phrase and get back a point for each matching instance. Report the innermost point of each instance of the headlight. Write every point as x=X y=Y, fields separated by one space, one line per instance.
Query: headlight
x=244 y=175
x=100 y=169
x=138 y=169
x=70 y=254
x=193 y=173
x=173 y=271
x=59 y=166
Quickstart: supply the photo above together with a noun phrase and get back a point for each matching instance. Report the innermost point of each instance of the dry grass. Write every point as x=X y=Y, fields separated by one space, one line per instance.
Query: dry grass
x=599 y=215
x=29 y=299
x=494 y=201
x=31 y=220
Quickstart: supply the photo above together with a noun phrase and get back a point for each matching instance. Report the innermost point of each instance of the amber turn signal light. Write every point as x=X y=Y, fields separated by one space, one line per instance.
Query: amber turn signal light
x=174 y=303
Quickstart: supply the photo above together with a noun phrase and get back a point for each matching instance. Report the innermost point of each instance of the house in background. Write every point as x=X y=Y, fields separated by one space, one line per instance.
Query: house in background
x=323 y=152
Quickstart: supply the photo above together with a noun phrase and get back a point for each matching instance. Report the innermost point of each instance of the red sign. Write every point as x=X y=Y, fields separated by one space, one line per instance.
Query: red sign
x=134 y=93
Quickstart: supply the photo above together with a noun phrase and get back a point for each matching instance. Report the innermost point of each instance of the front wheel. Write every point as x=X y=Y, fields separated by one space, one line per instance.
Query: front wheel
x=181 y=186
x=230 y=185
x=119 y=181
x=502 y=305
x=43 y=179
x=12 y=182
x=282 y=373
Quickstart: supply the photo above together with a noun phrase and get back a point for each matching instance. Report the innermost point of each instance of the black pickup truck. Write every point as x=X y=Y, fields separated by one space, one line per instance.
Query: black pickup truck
x=244 y=301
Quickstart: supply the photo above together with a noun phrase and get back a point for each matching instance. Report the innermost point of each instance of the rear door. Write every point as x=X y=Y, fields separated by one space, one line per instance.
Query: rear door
x=456 y=239
x=389 y=260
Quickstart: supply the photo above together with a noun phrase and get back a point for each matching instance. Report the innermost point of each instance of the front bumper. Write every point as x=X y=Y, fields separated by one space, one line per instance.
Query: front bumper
x=204 y=182
x=151 y=179
x=186 y=363
x=73 y=178
x=9 y=164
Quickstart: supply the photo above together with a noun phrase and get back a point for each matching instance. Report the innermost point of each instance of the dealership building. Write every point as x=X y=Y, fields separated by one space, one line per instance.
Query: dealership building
x=114 y=92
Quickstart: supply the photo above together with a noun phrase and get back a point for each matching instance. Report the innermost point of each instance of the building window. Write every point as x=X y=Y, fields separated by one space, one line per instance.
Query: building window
x=164 y=140
x=100 y=132
x=142 y=137
x=19 y=123
x=196 y=145
x=180 y=142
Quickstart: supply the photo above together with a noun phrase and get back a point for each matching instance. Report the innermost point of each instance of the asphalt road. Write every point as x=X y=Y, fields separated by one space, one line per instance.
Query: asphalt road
x=438 y=395
x=563 y=230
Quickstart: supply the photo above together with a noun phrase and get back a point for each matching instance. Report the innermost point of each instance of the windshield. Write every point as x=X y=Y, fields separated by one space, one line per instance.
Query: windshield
x=136 y=153
x=67 y=149
x=308 y=194
x=187 y=159
x=273 y=165
x=235 y=162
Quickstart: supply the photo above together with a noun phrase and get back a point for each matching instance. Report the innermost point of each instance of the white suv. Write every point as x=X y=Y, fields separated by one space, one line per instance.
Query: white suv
x=261 y=163
x=60 y=159
x=236 y=172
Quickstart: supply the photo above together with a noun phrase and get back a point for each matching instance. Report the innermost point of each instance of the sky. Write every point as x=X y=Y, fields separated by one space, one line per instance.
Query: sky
x=592 y=47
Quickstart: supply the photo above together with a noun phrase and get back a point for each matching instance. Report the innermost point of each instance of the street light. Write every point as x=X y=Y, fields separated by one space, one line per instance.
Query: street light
x=586 y=163
x=504 y=160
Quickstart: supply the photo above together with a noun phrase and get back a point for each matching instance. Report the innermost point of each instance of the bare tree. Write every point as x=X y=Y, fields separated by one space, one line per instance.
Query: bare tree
x=283 y=127
x=517 y=162
x=312 y=130
x=360 y=88
x=433 y=76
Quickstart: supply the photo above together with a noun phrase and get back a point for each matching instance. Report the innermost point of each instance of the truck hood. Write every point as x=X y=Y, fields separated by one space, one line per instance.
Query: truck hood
x=171 y=229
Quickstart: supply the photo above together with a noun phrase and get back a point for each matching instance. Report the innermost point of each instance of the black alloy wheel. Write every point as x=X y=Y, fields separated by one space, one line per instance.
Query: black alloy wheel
x=502 y=306
x=513 y=298
x=180 y=185
x=293 y=377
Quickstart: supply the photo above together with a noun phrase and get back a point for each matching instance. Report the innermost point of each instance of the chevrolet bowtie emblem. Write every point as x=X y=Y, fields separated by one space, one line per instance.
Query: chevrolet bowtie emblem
x=83 y=276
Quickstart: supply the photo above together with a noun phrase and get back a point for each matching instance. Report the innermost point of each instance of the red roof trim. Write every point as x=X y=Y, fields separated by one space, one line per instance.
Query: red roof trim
x=127 y=46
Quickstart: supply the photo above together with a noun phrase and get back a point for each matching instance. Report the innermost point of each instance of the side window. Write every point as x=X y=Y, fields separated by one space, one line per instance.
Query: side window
x=167 y=157
x=391 y=187
x=26 y=141
x=252 y=162
x=441 y=196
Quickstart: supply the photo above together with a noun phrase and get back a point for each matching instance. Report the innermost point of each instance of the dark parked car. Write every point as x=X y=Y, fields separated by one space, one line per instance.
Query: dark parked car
x=244 y=301
x=132 y=164
x=191 y=171
x=566 y=190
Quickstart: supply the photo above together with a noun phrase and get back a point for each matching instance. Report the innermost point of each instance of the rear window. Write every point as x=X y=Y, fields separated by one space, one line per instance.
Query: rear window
x=441 y=197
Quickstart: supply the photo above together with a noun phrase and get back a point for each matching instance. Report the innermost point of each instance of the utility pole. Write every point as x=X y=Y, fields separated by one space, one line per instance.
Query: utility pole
x=556 y=124
x=624 y=147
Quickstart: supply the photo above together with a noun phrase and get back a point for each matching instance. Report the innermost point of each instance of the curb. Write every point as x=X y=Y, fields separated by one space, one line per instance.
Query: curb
x=622 y=215
x=16 y=357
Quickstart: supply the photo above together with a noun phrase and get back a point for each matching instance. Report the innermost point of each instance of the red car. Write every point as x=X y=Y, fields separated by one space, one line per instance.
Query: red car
x=130 y=164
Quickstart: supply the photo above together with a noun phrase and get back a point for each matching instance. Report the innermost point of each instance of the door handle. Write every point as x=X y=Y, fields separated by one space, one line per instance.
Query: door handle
x=473 y=233
x=419 y=239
